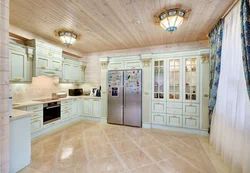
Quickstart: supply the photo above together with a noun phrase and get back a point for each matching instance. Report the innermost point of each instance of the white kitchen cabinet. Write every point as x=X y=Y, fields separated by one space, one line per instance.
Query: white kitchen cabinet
x=67 y=70
x=191 y=109
x=65 y=115
x=47 y=59
x=159 y=119
x=159 y=107
x=75 y=73
x=19 y=67
x=191 y=122
x=191 y=80
x=95 y=107
x=174 y=79
x=174 y=120
x=74 y=108
x=86 y=106
x=80 y=105
x=159 y=81
x=36 y=124
x=91 y=107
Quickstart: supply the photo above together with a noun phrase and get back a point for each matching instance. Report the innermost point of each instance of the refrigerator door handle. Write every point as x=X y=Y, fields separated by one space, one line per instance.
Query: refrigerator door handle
x=124 y=100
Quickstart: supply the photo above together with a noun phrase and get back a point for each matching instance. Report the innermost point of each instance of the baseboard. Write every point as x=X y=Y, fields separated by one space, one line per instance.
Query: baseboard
x=204 y=132
x=90 y=118
x=104 y=120
x=185 y=130
x=146 y=125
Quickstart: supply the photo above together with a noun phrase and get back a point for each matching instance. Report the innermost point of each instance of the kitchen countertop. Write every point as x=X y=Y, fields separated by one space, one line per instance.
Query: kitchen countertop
x=31 y=103
x=18 y=114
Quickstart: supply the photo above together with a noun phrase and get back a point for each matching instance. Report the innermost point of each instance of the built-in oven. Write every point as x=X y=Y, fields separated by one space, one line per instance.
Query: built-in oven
x=51 y=112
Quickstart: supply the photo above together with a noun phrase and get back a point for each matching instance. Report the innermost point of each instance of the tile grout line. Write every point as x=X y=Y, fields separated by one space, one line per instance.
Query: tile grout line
x=87 y=151
x=116 y=152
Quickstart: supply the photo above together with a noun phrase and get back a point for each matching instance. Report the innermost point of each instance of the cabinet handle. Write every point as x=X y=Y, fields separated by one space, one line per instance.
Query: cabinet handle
x=35 y=108
x=56 y=69
x=205 y=95
x=35 y=115
x=34 y=121
x=43 y=67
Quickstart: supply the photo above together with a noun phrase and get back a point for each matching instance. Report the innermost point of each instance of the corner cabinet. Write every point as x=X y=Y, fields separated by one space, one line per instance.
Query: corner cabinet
x=20 y=65
x=175 y=96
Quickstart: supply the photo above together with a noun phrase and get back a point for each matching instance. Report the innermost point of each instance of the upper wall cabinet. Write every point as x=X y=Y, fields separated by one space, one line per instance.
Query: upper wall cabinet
x=125 y=64
x=73 y=71
x=20 y=64
x=47 y=59
x=159 y=80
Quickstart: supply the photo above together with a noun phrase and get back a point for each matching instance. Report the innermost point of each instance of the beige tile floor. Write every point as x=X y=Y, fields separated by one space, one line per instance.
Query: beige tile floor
x=92 y=147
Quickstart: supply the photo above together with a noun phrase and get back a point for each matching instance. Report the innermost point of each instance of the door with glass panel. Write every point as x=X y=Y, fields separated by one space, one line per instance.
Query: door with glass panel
x=191 y=80
x=158 y=80
x=174 y=78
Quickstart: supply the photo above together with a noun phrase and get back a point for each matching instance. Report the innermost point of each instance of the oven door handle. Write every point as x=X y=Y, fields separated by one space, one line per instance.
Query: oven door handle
x=53 y=107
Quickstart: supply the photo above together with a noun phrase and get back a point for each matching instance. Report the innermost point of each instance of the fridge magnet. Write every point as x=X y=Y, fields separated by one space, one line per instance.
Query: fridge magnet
x=114 y=92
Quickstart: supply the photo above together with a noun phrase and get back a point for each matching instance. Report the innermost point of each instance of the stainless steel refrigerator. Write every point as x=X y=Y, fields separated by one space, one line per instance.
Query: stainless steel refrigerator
x=125 y=97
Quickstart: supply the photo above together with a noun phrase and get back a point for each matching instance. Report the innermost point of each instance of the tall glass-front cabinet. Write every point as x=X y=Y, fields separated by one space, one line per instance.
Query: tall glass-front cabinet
x=175 y=98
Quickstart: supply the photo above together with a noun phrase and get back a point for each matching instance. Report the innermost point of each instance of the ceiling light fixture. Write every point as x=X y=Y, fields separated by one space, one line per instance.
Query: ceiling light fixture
x=171 y=19
x=67 y=37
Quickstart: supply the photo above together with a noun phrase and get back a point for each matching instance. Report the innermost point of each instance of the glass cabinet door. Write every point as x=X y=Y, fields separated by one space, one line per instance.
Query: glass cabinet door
x=174 y=80
x=191 y=79
x=158 y=92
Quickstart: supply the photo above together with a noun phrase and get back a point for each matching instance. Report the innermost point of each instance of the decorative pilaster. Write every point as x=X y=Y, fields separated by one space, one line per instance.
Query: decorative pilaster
x=30 y=53
x=146 y=90
x=4 y=86
x=205 y=58
x=104 y=83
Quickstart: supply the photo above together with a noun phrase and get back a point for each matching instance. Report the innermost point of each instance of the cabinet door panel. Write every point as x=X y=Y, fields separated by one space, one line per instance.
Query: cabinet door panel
x=86 y=107
x=174 y=79
x=159 y=107
x=174 y=120
x=74 y=108
x=17 y=65
x=75 y=73
x=67 y=70
x=191 y=122
x=36 y=124
x=191 y=109
x=133 y=64
x=96 y=108
x=43 y=63
x=159 y=80
x=115 y=65
x=65 y=115
x=159 y=119
x=56 y=65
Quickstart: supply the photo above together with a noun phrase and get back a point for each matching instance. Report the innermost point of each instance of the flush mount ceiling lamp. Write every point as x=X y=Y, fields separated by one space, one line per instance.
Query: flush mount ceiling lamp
x=171 y=19
x=67 y=37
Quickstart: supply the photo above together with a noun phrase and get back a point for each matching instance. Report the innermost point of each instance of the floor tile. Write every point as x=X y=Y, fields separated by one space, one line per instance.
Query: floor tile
x=116 y=137
x=125 y=146
x=107 y=164
x=145 y=141
x=99 y=151
x=135 y=159
x=159 y=152
x=148 y=169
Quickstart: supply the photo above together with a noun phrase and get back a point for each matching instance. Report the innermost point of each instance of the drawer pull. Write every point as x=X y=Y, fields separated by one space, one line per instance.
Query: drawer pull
x=35 y=115
x=43 y=67
x=34 y=121
x=35 y=108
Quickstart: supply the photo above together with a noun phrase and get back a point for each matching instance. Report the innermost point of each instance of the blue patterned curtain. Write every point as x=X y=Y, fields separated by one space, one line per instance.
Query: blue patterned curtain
x=215 y=37
x=245 y=35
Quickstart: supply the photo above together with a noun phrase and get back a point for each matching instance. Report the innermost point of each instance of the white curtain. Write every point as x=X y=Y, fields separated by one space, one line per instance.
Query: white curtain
x=230 y=133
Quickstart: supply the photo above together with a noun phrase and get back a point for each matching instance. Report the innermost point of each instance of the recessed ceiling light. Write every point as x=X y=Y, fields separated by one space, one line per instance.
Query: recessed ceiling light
x=137 y=22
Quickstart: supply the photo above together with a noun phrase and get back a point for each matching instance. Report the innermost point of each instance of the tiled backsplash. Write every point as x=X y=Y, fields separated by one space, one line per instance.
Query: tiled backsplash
x=41 y=87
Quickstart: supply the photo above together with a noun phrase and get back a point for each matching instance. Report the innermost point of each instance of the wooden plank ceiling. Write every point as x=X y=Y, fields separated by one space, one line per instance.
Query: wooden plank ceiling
x=110 y=24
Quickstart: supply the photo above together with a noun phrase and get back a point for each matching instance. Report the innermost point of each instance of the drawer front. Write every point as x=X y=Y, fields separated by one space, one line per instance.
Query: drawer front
x=191 y=122
x=36 y=124
x=65 y=115
x=65 y=107
x=51 y=124
x=37 y=114
x=48 y=72
x=159 y=107
x=174 y=120
x=35 y=108
x=174 y=105
x=191 y=109
x=65 y=102
x=174 y=111
x=159 y=119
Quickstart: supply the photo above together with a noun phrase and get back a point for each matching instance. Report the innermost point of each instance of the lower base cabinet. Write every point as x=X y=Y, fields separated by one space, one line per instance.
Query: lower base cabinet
x=91 y=107
x=158 y=118
x=191 y=122
x=36 y=124
x=174 y=120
